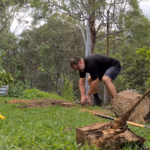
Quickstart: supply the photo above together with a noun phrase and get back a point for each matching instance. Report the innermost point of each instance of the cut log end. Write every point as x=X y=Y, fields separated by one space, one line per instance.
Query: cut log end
x=104 y=136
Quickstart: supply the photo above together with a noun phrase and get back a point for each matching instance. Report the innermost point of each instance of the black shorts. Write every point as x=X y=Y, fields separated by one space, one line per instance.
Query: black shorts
x=112 y=72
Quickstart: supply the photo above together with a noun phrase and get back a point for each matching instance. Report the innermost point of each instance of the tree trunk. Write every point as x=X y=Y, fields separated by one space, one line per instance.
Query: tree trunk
x=88 y=49
x=107 y=53
x=105 y=95
x=92 y=32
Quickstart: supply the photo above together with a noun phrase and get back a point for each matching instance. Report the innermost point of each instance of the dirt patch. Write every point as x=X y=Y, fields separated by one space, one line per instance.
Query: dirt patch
x=17 y=102
x=40 y=103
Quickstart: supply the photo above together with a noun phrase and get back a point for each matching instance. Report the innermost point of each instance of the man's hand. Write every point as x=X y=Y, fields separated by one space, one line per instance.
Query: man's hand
x=83 y=100
x=88 y=99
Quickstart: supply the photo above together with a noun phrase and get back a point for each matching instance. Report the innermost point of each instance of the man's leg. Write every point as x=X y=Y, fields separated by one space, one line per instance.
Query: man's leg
x=95 y=91
x=110 y=74
x=97 y=100
x=109 y=85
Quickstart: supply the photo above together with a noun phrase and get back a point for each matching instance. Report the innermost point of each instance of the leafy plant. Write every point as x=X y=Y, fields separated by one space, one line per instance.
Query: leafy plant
x=144 y=54
x=5 y=77
x=67 y=89
x=148 y=81
x=18 y=89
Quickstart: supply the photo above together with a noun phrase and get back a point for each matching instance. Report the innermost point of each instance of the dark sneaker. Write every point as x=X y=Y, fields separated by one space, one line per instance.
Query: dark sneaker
x=97 y=102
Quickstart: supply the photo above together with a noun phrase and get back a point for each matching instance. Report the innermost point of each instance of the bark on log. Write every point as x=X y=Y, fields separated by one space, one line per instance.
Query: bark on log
x=125 y=101
x=104 y=136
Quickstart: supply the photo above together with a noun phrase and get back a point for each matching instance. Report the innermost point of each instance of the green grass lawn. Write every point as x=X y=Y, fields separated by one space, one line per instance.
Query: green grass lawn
x=51 y=128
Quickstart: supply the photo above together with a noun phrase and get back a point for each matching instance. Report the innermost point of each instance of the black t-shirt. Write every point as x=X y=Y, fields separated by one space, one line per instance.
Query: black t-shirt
x=97 y=65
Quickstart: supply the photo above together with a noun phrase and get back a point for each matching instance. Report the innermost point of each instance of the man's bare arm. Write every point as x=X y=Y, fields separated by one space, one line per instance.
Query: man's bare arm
x=82 y=86
x=93 y=86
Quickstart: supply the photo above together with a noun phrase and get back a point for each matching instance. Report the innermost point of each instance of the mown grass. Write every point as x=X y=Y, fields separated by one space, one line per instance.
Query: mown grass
x=47 y=128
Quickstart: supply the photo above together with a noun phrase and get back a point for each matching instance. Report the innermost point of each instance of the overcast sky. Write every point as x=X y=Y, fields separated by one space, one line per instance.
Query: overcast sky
x=144 y=5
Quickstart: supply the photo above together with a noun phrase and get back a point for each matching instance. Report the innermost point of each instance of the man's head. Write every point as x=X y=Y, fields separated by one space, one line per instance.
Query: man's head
x=77 y=63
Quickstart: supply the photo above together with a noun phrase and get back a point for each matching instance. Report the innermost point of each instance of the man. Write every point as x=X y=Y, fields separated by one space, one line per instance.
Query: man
x=101 y=68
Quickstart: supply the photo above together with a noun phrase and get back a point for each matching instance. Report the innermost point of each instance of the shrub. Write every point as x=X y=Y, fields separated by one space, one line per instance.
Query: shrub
x=67 y=89
x=35 y=93
x=17 y=89
x=22 y=90
x=5 y=77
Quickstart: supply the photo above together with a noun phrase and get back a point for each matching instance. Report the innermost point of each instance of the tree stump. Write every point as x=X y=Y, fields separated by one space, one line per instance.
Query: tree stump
x=104 y=136
x=125 y=100
x=111 y=135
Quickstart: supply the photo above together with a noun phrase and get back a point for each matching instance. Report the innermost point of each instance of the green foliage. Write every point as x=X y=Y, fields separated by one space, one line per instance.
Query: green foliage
x=36 y=3
x=46 y=51
x=8 y=47
x=6 y=16
x=144 y=53
x=35 y=93
x=67 y=90
x=8 y=42
x=22 y=90
x=18 y=89
x=120 y=83
x=40 y=69
x=2 y=53
x=148 y=81
x=135 y=72
x=134 y=4
x=5 y=78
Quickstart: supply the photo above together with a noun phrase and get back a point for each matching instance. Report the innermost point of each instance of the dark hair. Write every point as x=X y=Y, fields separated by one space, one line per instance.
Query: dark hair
x=74 y=61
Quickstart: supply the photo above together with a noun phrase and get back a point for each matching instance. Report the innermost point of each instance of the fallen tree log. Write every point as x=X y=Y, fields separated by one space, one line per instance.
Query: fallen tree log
x=125 y=100
x=123 y=119
x=111 y=135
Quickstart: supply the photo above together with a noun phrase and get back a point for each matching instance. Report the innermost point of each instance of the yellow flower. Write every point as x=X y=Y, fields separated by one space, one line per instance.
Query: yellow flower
x=2 y=117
